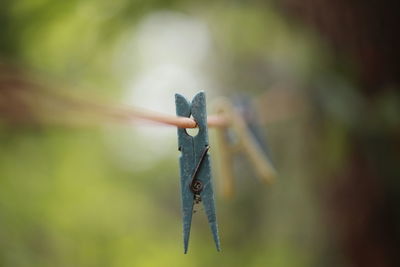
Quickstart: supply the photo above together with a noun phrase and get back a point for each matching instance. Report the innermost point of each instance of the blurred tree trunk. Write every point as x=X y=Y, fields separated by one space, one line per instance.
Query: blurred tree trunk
x=364 y=196
x=366 y=31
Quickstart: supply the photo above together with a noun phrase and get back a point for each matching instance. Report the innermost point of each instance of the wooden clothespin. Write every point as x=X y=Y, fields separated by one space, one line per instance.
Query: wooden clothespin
x=195 y=169
x=245 y=142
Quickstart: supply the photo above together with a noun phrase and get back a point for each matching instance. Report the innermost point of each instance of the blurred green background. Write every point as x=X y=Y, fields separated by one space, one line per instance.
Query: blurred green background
x=102 y=193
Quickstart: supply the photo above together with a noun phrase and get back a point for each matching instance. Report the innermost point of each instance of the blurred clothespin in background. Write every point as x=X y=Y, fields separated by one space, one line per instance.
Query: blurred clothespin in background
x=240 y=137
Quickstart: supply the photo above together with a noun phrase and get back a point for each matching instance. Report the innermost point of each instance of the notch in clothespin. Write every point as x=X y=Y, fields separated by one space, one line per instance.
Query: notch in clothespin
x=245 y=142
x=195 y=169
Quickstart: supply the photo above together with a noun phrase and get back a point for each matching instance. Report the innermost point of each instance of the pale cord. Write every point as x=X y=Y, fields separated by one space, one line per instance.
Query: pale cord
x=181 y=122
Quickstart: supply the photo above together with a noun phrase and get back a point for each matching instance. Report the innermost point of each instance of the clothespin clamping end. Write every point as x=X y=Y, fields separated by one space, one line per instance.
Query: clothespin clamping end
x=195 y=169
x=244 y=142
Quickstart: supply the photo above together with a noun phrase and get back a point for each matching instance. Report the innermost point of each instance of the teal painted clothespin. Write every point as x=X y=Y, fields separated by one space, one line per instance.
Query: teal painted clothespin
x=195 y=170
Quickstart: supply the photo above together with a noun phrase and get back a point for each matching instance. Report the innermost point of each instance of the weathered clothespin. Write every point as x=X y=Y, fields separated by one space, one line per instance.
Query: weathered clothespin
x=245 y=142
x=195 y=170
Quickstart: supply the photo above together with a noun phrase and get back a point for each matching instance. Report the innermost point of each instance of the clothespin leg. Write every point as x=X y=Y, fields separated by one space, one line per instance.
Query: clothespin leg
x=225 y=164
x=263 y=166
x=187 y=210
x=225 y=152
x=208 y=203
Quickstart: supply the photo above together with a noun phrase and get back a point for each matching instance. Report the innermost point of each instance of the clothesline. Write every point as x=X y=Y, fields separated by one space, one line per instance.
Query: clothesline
x=166 y=119
x=46 y=102
x=46 y=105
x=25 y=99
x=130 y=114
